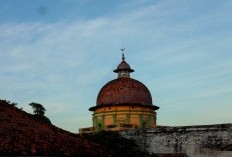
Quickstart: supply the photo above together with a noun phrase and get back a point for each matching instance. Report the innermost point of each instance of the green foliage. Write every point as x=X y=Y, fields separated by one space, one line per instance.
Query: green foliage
x=42 y=119
x=38 y=108
x=117 y=145
x=39 y=111
x=8 y=102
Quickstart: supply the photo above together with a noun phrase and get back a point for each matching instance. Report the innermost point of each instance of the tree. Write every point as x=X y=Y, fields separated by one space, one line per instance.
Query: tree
x=38 y=108
x=39 y=111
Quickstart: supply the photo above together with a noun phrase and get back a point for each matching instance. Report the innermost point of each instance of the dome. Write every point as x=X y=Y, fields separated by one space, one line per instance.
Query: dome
x=124 y=90
x=123 y=66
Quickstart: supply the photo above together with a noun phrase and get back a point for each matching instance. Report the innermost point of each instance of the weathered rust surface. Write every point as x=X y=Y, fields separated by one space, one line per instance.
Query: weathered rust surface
x=124 y=90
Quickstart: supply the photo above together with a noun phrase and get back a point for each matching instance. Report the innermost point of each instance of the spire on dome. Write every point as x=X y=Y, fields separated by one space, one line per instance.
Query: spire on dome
x=123 y=57
x=123 y=69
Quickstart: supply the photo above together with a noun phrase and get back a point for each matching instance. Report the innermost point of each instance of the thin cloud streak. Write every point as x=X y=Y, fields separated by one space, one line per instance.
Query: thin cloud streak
x=64 y=64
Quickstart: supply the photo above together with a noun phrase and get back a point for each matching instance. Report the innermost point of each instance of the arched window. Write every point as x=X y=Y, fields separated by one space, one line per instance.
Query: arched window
x=99 y=127
x=144 y=125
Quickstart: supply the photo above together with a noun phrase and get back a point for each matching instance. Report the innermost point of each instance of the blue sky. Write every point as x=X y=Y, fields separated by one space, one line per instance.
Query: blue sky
x=60 y=54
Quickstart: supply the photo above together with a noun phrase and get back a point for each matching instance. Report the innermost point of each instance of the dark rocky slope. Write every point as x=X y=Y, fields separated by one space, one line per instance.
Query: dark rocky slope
x=23 y=134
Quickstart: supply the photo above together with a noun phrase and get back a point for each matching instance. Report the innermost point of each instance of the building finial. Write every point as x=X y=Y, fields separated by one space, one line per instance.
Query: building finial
x=123 y=57
x=123 y=69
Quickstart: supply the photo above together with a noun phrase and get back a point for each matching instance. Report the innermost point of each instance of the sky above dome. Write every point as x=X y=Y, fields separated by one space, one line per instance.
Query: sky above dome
x=61 y=52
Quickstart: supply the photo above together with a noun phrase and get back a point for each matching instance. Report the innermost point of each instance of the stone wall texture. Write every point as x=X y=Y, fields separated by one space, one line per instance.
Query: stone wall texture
x=195 y=141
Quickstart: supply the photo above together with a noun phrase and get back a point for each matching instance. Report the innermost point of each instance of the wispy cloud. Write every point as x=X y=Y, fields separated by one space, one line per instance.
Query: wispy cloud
x=176 y=49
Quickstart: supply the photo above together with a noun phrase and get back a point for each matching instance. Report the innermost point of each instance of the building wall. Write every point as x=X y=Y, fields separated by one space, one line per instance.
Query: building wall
x=117 y=118
x=195 y=141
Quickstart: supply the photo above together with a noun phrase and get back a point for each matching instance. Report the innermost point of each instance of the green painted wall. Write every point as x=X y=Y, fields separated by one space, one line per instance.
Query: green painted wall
x=128 y=118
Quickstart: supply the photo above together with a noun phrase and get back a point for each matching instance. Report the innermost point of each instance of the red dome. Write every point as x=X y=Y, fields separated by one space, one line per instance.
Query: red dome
x=124 y=90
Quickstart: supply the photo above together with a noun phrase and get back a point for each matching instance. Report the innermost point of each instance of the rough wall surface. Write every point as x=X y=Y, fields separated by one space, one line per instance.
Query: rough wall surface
x=195 y=141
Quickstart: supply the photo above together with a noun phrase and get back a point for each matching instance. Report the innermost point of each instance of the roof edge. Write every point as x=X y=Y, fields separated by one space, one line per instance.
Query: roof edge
x=124 y=104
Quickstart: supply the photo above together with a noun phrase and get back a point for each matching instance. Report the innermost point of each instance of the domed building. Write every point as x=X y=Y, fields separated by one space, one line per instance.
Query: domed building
x=123 y=103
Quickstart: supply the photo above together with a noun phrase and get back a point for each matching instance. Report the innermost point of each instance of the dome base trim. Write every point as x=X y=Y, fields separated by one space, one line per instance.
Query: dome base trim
x=124 y=104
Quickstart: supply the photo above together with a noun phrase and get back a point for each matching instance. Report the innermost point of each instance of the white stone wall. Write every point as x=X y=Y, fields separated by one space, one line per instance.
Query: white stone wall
x=195 y=141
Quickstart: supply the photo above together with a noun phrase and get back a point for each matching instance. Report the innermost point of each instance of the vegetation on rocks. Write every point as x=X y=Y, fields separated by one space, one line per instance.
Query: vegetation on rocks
x=39 y=112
